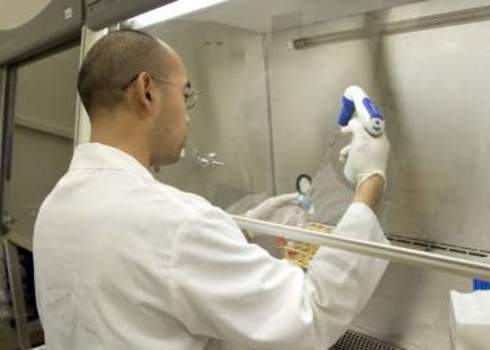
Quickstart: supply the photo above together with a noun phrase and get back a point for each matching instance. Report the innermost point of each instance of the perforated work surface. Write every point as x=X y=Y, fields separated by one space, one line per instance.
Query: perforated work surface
x=356 y=341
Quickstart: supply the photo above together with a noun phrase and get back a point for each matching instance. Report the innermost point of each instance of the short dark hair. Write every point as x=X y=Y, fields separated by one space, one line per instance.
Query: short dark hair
x=113 y=61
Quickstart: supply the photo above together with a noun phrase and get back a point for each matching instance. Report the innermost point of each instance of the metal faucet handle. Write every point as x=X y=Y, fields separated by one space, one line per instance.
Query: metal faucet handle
x=208 y=160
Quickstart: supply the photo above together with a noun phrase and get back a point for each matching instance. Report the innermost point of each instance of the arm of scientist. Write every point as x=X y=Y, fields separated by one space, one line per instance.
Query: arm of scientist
x=227 y=289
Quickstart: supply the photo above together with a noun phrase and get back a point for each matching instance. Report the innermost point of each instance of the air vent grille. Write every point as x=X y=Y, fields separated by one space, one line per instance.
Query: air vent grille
x=356 y=341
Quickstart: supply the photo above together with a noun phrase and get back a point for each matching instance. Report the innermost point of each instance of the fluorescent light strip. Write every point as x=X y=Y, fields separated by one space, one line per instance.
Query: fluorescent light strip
x=173 y=10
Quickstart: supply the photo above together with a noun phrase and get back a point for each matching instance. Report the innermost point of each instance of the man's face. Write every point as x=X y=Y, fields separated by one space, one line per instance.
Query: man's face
x=170 y=128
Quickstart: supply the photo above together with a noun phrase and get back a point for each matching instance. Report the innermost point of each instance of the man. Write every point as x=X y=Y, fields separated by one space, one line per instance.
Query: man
x=123 y=261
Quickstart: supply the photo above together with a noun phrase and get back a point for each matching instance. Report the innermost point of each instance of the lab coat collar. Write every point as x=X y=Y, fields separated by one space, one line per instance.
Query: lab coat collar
x=103 y=157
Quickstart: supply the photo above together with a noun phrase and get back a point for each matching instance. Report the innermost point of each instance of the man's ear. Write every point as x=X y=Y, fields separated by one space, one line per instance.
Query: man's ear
x=145 y=92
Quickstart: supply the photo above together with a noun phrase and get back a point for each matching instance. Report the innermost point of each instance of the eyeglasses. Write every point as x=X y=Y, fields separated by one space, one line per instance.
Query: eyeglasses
x=190 y=94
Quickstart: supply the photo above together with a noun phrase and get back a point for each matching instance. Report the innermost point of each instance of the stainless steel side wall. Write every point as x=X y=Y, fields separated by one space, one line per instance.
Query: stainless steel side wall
x=231 y=118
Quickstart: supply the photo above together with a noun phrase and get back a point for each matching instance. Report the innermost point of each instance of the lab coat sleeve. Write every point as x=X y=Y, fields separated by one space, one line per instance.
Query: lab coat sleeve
x=227 y=289
x=343 y=282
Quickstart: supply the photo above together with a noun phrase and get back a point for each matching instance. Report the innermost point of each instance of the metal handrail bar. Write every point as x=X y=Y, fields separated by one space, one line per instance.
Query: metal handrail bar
x=393 y=253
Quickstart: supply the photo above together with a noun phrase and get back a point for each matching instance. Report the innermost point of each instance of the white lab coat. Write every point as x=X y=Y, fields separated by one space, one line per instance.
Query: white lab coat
x=123 y=261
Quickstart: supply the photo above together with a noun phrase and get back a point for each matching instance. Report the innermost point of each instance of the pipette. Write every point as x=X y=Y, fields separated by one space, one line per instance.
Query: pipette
x=356 y=100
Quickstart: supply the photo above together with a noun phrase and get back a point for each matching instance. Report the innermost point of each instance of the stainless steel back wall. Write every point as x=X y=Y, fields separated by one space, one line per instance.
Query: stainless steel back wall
x=440 y=149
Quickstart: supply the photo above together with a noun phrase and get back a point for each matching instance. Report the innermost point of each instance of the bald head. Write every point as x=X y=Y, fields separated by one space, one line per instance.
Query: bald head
x=114 y=61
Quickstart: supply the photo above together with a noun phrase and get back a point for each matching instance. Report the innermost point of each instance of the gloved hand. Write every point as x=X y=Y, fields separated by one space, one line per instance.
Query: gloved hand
x=283 y=209
x=366 y=155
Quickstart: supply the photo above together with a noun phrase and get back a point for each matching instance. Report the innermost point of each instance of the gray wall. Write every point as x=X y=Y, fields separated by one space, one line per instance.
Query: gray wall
x=44 y=114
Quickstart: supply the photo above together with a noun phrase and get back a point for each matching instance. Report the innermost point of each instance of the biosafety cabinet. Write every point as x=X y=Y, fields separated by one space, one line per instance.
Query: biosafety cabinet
x=271 y=74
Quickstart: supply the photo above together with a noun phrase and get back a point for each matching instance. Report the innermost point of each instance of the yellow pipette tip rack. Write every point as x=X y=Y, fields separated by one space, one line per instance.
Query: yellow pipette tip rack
x=301 y=253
